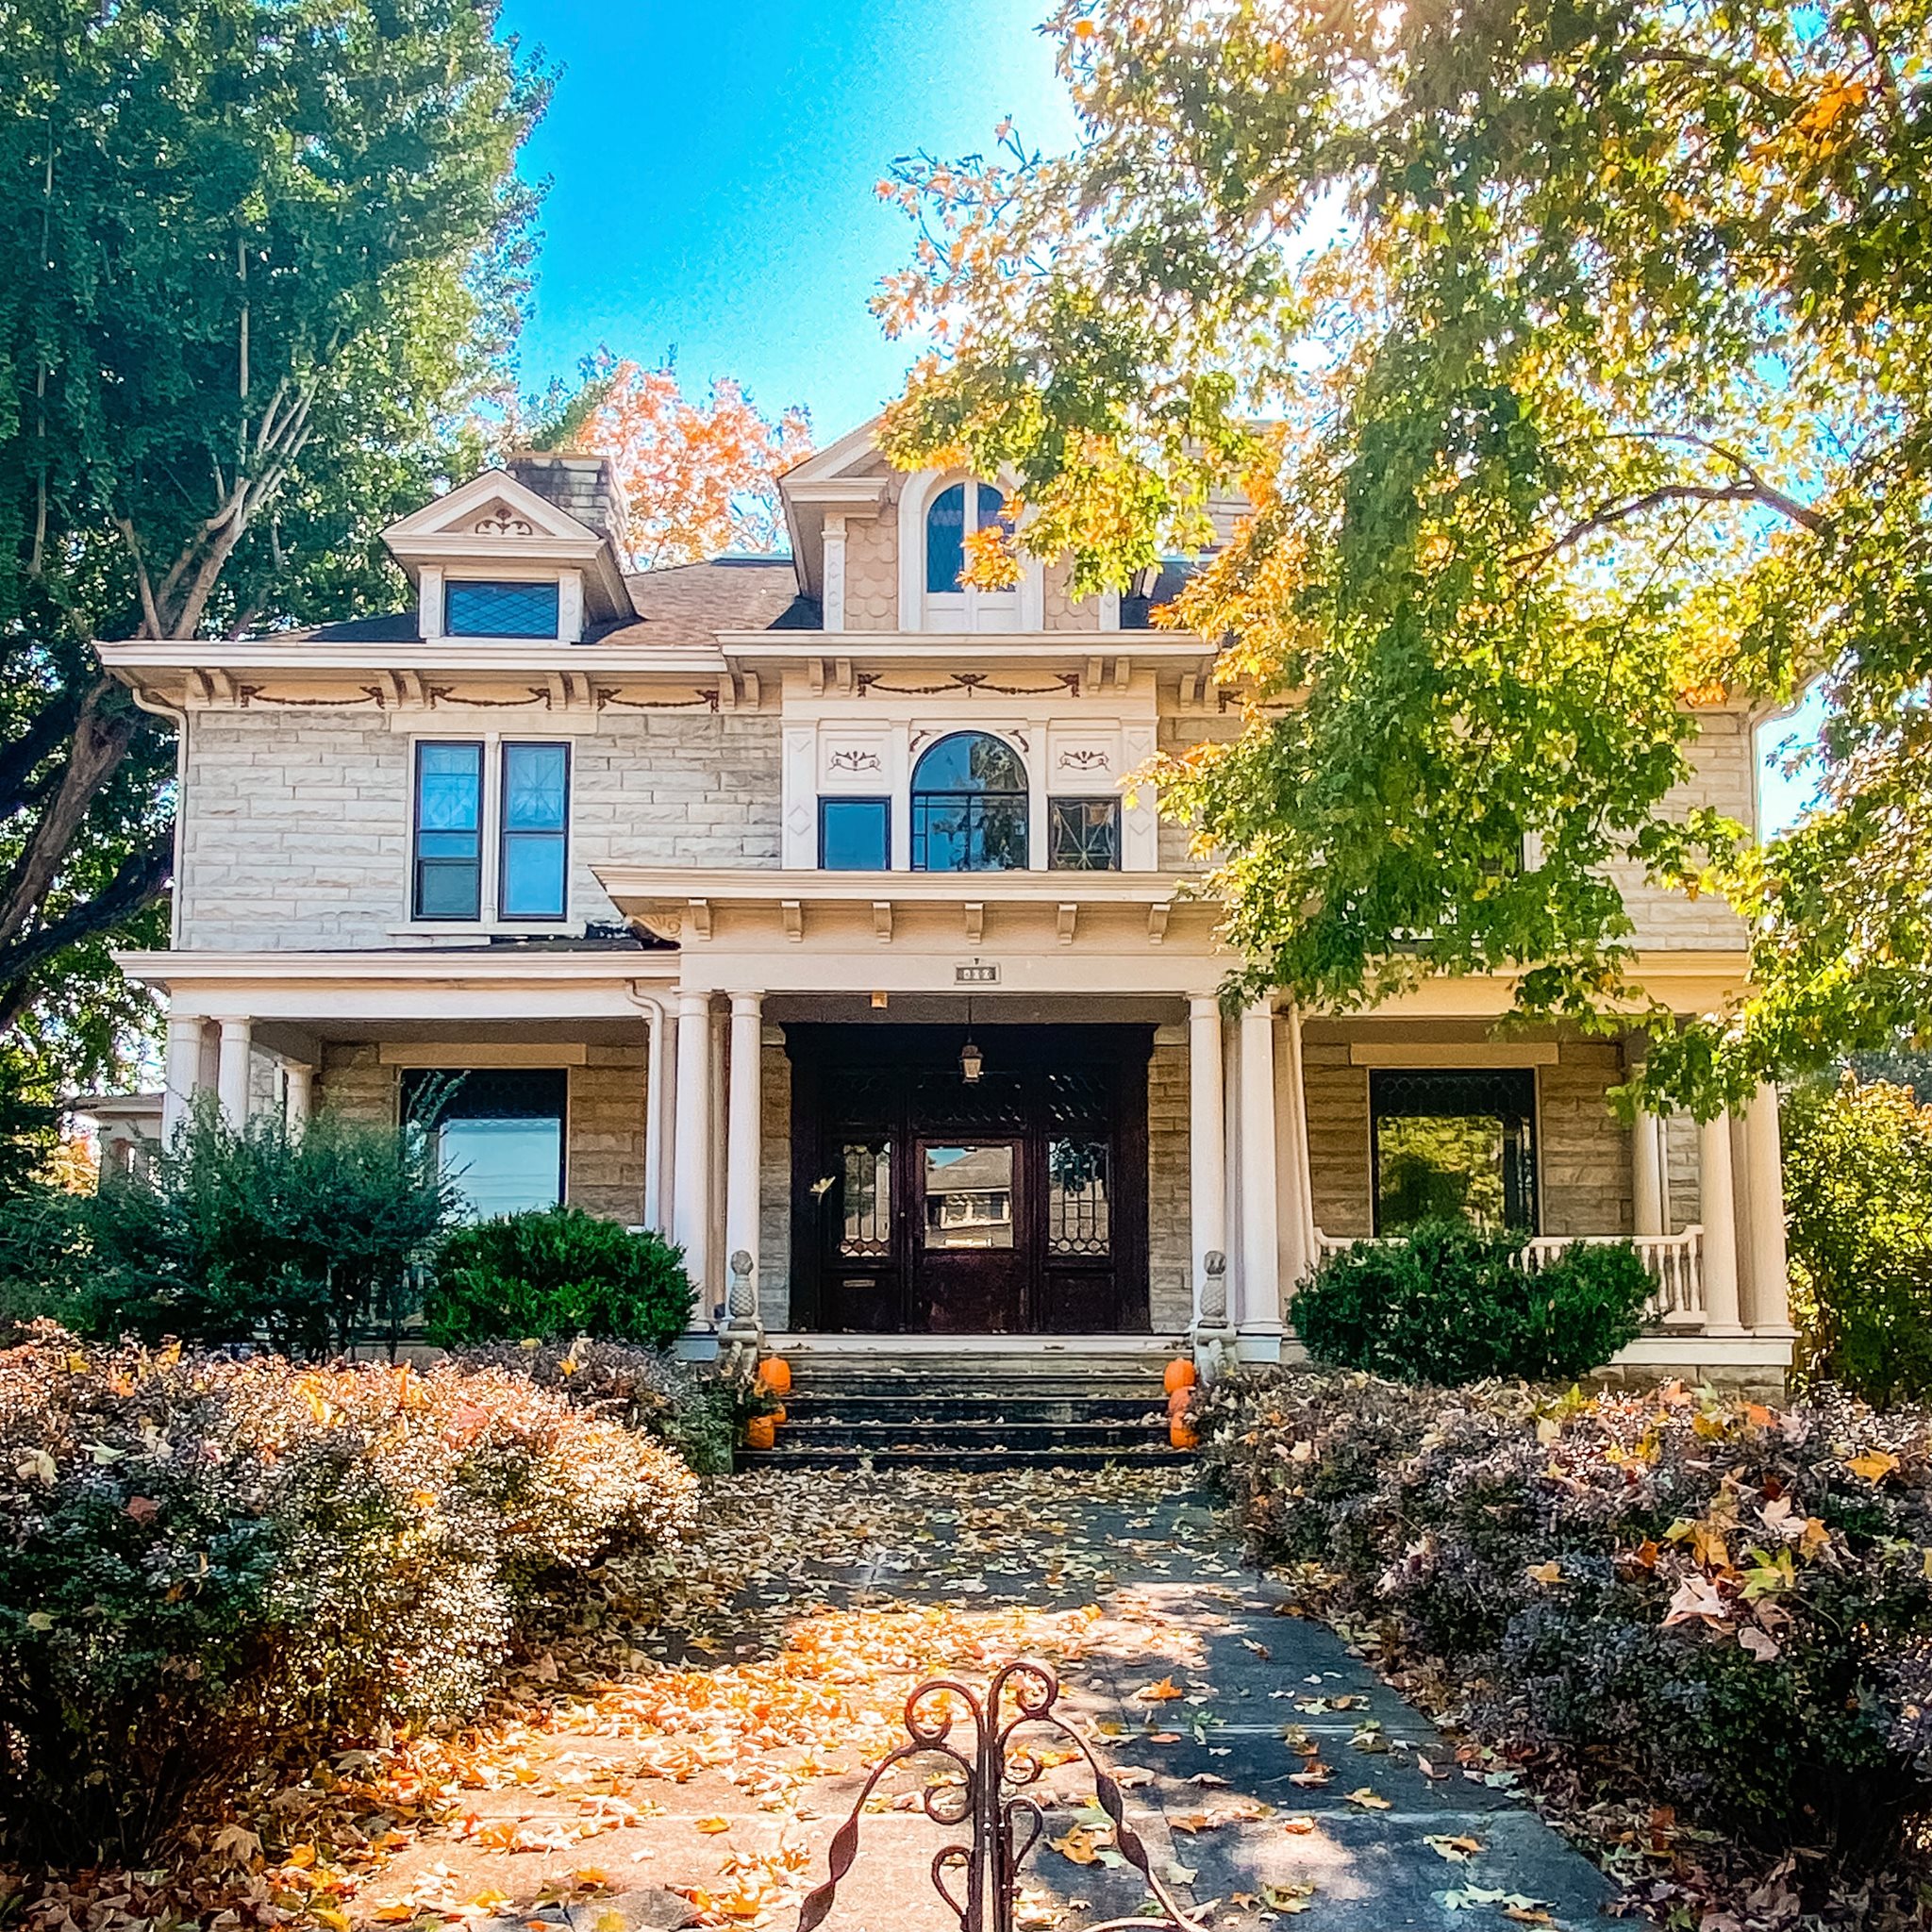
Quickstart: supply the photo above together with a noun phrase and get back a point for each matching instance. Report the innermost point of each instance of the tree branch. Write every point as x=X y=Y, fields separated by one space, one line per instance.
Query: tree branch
x=140 y=878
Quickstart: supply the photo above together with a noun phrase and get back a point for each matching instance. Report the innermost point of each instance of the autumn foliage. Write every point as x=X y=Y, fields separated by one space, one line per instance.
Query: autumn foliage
x=205 y=1560
x=699 y=476
x=1701 y=1603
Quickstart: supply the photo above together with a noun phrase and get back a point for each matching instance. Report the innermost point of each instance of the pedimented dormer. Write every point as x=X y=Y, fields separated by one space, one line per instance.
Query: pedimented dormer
x=527 y=552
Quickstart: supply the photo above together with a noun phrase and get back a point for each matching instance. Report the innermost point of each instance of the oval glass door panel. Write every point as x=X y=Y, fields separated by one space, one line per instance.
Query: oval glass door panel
x=969 y=1196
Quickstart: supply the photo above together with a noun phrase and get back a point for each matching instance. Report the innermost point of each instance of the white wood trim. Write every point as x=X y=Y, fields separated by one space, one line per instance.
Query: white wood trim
x=483 y=1053
x=1472 y=1053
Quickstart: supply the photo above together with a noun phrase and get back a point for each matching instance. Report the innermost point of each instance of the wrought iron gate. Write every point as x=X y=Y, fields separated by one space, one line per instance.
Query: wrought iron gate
x=990 y=1798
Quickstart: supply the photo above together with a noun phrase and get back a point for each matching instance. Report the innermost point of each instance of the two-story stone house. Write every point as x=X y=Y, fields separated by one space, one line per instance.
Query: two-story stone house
x=803 y=909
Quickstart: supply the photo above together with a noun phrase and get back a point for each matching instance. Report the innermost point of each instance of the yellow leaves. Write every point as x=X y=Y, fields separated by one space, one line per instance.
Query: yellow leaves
x=1458 y=1848
x=1079 y=1846
x=1875 y=1465
x=1545 y=1574
x=1165 y=1691
x=1298 y=1826
x=1288 y=1898
x=1369 y=1799
x=712 y=1826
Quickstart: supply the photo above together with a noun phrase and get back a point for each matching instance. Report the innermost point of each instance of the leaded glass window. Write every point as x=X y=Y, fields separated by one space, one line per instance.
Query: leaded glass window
x=473 y=609
x=536 y=820
x=1452 y=1143
x=866 y=1170
x=968 y=805
x=946 y=528
x=498 y=1134
x=1076 y=1204
x=447 y=861
x=1083 y=834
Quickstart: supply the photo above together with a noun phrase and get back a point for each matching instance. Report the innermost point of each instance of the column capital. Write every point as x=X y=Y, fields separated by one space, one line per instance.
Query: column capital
x=1203 y=1005
x=690 y=1004
x=747 y=1002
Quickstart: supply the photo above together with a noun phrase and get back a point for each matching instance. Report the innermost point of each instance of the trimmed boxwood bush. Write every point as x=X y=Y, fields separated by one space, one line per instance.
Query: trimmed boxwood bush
x=203 y=1558
x=554 y=1273
x=1671 y=1598
x=1451 y=1303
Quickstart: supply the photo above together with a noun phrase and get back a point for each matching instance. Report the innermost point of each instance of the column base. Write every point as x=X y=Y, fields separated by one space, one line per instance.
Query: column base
x=1260 y=1342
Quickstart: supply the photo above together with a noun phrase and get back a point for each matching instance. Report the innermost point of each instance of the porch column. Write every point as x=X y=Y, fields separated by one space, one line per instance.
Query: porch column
x=1769 y=1307
x=1647 y=1198
x=1260 y=1283
x=1206 y=1152
x=1717 y=1204
x=184 y=1070
x=743 y=1153
x=1294 y=1195
x=716 y=1253
x=301 y=1095
x=661 y=1123
x=232 y=1079
x=691 y=1212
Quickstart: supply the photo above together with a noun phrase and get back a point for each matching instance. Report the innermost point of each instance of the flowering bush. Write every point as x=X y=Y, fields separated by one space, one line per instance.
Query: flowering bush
x=203 y=1557
x=691 y=1406
x=1728 y=1606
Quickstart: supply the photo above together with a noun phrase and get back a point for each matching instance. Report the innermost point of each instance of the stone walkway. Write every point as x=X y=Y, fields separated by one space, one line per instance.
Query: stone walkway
x=692 y=1771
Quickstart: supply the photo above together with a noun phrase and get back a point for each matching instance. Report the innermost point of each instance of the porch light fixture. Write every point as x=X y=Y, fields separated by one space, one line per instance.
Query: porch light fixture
x=971 y=1059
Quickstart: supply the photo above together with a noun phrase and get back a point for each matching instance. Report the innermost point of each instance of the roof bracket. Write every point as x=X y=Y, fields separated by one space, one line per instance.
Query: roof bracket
x=882 y=921
x=975 y=919
x=1067 y=918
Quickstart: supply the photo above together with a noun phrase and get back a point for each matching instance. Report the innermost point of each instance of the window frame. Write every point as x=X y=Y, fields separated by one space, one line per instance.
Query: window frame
x=416 y=829
x=504 y=834
x=553 y=585
x=415 y=1079
x=971 y=804
x=1085 y=802
x=883 y=800
x=967 y=603
x=1531 y=1117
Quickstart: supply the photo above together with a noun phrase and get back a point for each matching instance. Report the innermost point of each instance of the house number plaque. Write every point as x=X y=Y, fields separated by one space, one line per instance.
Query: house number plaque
x=976 y=974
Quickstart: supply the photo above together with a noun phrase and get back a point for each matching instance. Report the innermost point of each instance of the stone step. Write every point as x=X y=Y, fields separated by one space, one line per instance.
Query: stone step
x=838 y=1432
x=952 y=1456
x=1020 y=1406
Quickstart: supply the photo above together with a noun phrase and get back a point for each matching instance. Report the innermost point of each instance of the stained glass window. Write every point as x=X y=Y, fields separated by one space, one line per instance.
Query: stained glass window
x=471 y=609
x=866 y=1172
x=1083 y=834
x=498 y=1133
x=1076 y=1205
x=536 y=819
x=1450 y=1143
x=448 y=860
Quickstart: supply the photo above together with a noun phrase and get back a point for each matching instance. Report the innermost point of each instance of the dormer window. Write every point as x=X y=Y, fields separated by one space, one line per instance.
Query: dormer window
x=954 y=514
x=474 y=608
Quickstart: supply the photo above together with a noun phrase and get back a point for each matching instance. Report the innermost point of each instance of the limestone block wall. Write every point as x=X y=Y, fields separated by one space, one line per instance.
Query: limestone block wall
x=1339 y=1167
x=1169 y=1245
x=774 y=1188
x=1179 y=731
x=295 y=825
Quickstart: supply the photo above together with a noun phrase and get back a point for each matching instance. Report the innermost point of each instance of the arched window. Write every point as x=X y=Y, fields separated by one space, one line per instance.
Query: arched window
x=946 y=528
x=968 y=805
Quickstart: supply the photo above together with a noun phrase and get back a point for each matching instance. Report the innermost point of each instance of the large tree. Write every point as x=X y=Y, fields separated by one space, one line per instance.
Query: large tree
x=256 y=258
x=1575 y=355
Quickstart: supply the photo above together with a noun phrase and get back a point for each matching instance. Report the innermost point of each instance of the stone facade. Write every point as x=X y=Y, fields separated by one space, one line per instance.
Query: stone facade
x=1170 y=1252
x=295 y=825
x=775 y=1187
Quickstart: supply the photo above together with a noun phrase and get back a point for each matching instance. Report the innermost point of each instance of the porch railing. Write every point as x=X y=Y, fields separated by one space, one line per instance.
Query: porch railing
x=1673 y=1261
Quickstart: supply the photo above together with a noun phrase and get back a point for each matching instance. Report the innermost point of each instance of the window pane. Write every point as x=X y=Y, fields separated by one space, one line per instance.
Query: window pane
x=945 y=540
x=499 y=610
x=449 y=789
x=448 y=860
x=1076 y=1207
x=1451 y=1144
x=969 y=1196
x=1084 y=834
x=971 y=762
x=866 y=1169
x=533 y=875
x=854 y=835
x=449 y=888
x=961 y=832
x=536 y=781
x=992 y=509
x=502 y=1166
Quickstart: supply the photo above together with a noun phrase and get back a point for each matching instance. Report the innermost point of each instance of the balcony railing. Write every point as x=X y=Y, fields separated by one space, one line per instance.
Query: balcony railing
x=1673 y=1261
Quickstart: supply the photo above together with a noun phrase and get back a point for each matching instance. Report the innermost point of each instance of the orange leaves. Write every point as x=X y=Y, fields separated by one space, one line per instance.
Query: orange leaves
x=1165 y=1691
x=698 y=476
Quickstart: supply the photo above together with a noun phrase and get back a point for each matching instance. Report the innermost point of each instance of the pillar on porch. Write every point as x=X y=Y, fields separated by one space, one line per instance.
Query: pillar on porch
x=1295 y=1232
x=691 y=1212
x=299 y=1100
x=1768 y=1305
x=1260 y=1284
x=1717 y=1204
x=1649 y=1184
x=231 y=1081
x=743 y=1150
x=717 y=1253
x=1206 y=1154
x=184 y=1032
x=660 y=1126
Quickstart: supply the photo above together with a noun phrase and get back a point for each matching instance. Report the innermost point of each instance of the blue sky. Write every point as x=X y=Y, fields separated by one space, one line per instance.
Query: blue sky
x=712 y=172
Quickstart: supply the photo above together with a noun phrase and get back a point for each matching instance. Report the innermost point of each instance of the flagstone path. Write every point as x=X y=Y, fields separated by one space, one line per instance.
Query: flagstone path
x=687 y=1760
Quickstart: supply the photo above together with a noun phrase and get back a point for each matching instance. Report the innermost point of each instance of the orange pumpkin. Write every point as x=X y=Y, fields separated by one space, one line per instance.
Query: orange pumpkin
x=775 y=1371
x=1177 y=1401
x=1180 y=1433
x=761 y=1432
x=779 y=1416
x=1181 y=1374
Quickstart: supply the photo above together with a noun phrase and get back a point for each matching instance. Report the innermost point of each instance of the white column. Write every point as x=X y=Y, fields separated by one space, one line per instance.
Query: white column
x=301 y=1100
x=1294 y=1212
x=232 y=1080
x=1647 y=1174
x=1206 y=1147
x=184 y=1070
x=832 y=609
x=745 y=1149
x=715 y=1251
x=1717 y=1204
x=1261 y=1284
x=1770 y=1304
x=653 y=1207
x=691 y=1212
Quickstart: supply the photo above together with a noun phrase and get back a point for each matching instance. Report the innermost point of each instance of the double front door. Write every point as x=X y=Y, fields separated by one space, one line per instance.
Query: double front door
x=1012 y=1203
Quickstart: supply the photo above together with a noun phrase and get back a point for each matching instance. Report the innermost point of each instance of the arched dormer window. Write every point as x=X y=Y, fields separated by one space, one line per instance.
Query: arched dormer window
x=954 y=514
x=968 y=805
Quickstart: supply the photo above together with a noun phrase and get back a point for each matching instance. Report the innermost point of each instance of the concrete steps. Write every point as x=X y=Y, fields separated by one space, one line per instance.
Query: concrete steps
x=970 y=1410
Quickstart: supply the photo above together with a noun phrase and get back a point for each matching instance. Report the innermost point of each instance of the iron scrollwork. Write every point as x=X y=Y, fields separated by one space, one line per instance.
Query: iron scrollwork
x=990 y=1797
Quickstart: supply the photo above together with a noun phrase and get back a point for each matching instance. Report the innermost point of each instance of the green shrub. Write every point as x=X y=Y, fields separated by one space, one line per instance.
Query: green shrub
x=1451 y=1303
x=1690 y=1600
x=1859 y=1192
x=554 y=1273
x=300 y=1238
x=688 y=1405
x=203 y=1557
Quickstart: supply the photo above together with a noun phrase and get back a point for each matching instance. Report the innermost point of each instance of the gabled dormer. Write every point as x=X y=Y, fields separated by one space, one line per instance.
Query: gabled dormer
x=529 y=551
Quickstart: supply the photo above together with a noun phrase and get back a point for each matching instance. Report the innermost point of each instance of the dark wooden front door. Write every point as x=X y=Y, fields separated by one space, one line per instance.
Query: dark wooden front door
x=925 y=1202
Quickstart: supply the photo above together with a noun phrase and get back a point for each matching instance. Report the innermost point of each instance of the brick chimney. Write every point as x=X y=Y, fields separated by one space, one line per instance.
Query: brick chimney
x=584 y=487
